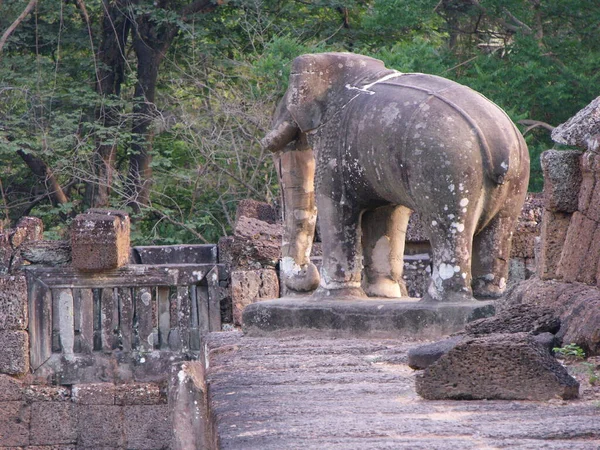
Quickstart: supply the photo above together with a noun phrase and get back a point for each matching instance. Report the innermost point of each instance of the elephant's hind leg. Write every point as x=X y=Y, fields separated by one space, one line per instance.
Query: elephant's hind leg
x=451 y=242
x=491 y=256
x=384 y=233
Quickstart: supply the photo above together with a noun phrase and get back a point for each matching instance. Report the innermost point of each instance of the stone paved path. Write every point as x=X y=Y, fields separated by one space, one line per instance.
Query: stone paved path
x=323 y=393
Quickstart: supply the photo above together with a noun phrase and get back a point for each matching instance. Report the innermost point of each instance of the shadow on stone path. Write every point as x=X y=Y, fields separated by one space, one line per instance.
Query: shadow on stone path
x=323 y=393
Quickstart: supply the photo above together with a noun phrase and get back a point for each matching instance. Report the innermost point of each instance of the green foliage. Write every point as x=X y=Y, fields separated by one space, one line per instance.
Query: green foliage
x=572 y=351
x=223 y=75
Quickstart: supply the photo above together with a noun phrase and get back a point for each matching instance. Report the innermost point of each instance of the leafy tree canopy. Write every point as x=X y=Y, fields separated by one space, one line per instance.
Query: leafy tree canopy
x=159 y=106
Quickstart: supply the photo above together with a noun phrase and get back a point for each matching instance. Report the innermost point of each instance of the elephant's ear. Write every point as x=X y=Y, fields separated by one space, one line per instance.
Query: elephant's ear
x=307 y=92
x=307 y=114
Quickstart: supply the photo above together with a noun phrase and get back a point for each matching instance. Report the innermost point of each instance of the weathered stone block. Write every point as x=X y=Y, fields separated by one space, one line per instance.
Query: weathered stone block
x=554 y=231
x=588 y=163
x=187 y=405
x=497 y=367
x=94 y=394
x=10 y=389
x=14 y=424
x=46 y=252
x=417 y=274
x=27 y=229
x=251 y=286
x=100 y=240
x=53 y=423
x=147 y=426
x=255 y=244
x=582 y=129
x=577 y=243
x=44 y=393
x=519 y=318
x=421 y=357
x=100 y=426
x=139 y=394
x=14 y=357
x=253 y=209
x=562 y=177
x=176 y=254
x=13 y=302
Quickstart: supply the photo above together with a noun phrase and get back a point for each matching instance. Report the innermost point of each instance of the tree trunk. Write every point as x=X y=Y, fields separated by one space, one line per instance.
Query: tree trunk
x=42 y=171
x=110 y=75
x=150 y=42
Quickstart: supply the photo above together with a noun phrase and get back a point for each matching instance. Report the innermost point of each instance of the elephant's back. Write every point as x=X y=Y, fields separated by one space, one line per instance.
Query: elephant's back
x=433 y=100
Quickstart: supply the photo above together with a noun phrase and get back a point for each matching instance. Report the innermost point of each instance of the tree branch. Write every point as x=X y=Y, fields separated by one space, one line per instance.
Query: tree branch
x=16 y=23
x=531 y=124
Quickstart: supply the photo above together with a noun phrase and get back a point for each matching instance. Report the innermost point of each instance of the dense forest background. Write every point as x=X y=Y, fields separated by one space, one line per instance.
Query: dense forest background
x=159 y=107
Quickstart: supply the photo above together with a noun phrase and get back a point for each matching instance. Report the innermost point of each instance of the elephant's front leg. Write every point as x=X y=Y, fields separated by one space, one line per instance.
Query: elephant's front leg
x=452 y=242
x=340 y=235
x=384 y=235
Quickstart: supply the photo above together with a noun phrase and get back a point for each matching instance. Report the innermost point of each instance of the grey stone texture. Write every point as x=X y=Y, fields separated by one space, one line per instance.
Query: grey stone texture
x=581 y=130
x=100 y=426
x=53 y=423
x=93 y=394
x=14 y=424
x=251 y=286
x=421 y=357
x=577 y=305
x=14 y=357
x=360 y=317
x=10 y=389
x=497 y=367
x=554 y=232
x=147 y=426
x=139 y=394
x=175 y=254
x=188 y=408
x=13 y=302
x=562 y=178
x=356 y=394
x=49 y=253
x=100 y=240
x=517 y=318
x=528 y=227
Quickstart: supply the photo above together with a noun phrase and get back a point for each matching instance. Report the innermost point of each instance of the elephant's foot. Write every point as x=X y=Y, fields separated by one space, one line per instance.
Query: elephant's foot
x=485 y=287
x=385 y=287
x=339 y=293
x=299 y=278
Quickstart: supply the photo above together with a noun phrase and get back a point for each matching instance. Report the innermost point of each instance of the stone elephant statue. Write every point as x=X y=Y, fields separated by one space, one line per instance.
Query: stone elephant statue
x=385 y=144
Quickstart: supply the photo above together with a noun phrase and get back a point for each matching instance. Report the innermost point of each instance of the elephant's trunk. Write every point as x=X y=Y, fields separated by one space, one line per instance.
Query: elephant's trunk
x=296 y=171
x=281 y=135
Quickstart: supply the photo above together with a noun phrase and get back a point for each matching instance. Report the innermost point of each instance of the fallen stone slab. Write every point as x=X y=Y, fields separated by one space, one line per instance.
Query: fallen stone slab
x=421 y=357
x=47 y=252
x=520 y=318
x=497 y=367
x=358 y=317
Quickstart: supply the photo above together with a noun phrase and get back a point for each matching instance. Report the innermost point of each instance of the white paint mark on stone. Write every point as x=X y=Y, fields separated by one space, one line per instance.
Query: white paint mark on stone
x=446 y=271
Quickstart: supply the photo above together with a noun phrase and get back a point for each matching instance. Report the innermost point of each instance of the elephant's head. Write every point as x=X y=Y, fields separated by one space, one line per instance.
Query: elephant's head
x=320 y=85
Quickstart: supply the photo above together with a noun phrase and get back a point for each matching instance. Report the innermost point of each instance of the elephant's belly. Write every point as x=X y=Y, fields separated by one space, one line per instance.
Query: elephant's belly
x=412 y=154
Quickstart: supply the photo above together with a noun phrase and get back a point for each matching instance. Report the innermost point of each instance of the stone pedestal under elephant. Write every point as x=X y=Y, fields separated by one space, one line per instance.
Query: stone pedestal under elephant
x=387 y=143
